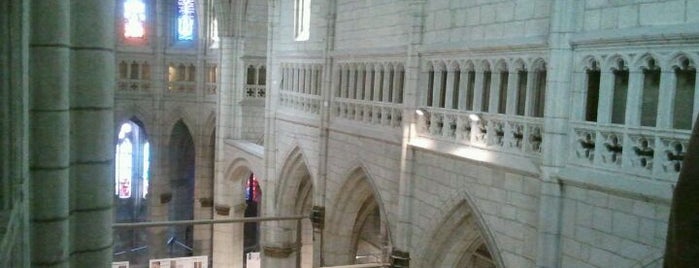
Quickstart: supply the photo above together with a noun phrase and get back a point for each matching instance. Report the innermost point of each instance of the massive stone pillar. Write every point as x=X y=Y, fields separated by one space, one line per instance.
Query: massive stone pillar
x=49 y=159
x=91 y=132
x=71 y=150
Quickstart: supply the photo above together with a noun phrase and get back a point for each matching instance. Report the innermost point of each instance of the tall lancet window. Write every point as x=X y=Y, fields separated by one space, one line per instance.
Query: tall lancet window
x=134 y=19
x=186 y=18
x=124 y=160
x=302 y=20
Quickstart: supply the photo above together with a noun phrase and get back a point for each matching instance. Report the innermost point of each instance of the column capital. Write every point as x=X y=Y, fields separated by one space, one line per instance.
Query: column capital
x=400 y=259
x=318 y=217
x=277 y=251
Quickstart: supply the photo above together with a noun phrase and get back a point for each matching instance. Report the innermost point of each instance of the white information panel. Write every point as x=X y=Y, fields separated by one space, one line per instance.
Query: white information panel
x=185 y=262
x=252 y=260
x=120 y=264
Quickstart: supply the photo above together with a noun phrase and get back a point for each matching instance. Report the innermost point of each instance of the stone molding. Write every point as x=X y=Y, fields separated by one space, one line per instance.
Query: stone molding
x=277 y=252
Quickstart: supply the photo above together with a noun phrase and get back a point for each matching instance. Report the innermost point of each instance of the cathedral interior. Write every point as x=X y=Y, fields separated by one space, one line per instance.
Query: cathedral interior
x=343 y=133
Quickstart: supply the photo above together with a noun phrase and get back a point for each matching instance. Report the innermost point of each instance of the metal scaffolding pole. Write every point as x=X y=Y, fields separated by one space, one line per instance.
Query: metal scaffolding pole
x=208 y=221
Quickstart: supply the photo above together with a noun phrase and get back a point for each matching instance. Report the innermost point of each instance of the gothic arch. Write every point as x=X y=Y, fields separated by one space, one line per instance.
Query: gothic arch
x=296 y=185
x=460 y=233
x=613 y=61
x=176 y=115
x=230 y=192
x=589 y=62
x=132 y=111
x=356 y=203
x=642 y=61
x=678 y=59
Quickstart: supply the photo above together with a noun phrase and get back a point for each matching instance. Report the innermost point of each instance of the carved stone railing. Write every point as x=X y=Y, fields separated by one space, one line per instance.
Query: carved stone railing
x=506 y=133
x=255 y=91
x=308 y=103
x=181 y=86
x=133 y=85
x=211 y=88
x=640 y=151
x=370 y=112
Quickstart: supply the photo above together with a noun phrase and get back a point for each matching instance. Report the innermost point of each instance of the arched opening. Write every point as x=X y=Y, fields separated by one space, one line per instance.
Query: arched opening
x=358 y=226
x=132 y=161
x=296 y=198
x=253 y=200
x=459 y=241
x=180 y=237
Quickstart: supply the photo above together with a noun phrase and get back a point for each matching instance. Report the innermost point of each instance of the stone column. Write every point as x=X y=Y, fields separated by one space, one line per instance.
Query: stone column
x=556 y=116
x=634 y=93
x=494 y=99
x=666 y=96
x=463 y=88
x=92 y=130
x=71 y=144
x=450 y=87
x=437 y=85
x=400 y=255
x=478 y=90
x=49 y=153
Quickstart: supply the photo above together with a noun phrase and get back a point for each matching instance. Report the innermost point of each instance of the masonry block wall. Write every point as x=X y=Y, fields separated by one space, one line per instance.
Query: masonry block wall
x=449 y=191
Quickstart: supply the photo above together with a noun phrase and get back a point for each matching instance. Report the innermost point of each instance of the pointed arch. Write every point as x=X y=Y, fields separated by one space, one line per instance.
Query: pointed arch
x=459 y=235
x=179 y=114
x=296 y=183
x=357 y=205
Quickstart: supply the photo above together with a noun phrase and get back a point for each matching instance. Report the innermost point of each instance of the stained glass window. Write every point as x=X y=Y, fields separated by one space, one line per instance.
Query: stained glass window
x=253 y=192
x=185 y=20
x=134 y=19
x=146 y=164
x=124 y=158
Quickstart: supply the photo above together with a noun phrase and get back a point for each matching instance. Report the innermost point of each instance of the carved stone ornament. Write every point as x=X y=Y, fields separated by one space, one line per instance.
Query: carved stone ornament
x=165 y=198
x=222 y=210
x=400 y=259
x=206 y=202
x=277 y=252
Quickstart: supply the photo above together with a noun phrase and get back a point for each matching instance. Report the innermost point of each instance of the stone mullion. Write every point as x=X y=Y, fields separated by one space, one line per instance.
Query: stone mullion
x=494 y=91
x=579 y=92
x=449 y=88
x=308 y=79
x=377 y=94
x=512 y=97
x=303 y=78
x=666 y=96
x=478 y=91
x=437 y=87
x=387 y=94
x=368 y=80
x=634 y=95
x=92 y=132
x=532 y=76
x=49 y=138
x=352 y=82
x=463 y=87
x=397 y=86
x=387 y=84
x=606 y=94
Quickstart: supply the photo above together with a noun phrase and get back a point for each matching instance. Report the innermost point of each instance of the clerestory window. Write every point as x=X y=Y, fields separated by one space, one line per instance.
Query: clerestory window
x=134 y=19
x=302 y=20
x=185 y=27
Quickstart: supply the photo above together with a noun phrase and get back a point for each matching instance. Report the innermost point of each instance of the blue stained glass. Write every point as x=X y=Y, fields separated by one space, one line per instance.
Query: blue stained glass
x=185 y=20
